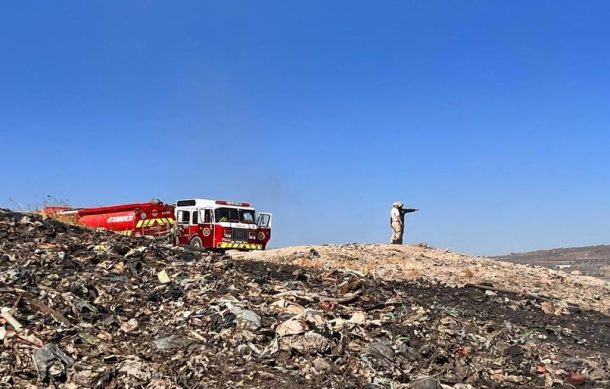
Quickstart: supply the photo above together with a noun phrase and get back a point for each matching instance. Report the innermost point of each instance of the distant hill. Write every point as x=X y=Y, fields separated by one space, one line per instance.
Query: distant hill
x=592 y=260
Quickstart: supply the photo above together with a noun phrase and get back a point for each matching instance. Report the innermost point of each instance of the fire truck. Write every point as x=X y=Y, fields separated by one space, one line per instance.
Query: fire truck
x=139 y=219
x=200 y=223
x=221 y=225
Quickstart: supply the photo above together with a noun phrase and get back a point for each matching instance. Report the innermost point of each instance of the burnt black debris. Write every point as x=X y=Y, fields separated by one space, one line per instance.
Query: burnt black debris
x=93 y=309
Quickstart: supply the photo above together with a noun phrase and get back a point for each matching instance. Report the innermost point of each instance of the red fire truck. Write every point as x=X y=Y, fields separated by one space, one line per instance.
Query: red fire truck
x=152 y=219
x=210 y=224
x=221 y=225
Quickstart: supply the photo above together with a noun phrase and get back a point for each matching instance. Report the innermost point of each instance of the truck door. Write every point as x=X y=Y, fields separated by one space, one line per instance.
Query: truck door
x=264 y=220
x=264 y=229
x=207 y=227
x=184 y=219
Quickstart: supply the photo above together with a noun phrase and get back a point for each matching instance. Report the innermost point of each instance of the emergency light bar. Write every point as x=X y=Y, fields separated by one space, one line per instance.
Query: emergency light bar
x=223 y=202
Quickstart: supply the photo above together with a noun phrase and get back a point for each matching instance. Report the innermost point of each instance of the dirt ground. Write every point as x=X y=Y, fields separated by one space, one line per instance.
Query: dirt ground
x=412 y=262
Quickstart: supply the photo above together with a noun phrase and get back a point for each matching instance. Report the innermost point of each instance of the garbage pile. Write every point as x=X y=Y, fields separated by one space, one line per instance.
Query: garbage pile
x=411 y=262
x=93 y=309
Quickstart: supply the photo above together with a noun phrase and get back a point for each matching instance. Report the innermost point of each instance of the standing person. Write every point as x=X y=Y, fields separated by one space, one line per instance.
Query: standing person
x=397 y=221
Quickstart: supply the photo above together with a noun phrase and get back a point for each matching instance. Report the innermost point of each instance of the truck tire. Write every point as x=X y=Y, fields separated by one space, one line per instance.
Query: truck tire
x=196 y=243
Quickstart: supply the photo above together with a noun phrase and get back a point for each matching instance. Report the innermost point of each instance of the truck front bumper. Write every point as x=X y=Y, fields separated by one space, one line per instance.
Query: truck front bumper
x=241 y=246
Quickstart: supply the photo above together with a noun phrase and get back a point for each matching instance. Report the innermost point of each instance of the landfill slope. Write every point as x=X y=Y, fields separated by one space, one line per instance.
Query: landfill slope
x=92 y=309
x=411 y=262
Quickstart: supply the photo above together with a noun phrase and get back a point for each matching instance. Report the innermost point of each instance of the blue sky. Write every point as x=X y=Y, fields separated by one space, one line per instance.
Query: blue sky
x=491 y=116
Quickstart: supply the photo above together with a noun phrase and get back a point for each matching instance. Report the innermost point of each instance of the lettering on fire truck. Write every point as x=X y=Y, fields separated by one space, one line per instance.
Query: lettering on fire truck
x=120 y=219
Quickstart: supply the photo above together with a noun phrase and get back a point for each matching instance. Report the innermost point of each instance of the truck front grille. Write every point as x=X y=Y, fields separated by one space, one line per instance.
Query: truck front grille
x=240 y=235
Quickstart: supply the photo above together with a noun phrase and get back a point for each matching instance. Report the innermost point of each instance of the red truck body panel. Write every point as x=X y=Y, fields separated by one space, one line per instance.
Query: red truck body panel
x=153 y=219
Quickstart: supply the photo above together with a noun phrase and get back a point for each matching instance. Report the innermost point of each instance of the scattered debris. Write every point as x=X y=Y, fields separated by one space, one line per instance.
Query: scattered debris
x=6 y=315
x=106 y=314
x=51 y=362
x=163 y=277
x=415 y=262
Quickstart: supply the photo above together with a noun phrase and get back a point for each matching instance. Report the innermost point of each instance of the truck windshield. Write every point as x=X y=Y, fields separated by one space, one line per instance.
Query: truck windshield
x=234 y=215
x=246 y=216
x=226 y=215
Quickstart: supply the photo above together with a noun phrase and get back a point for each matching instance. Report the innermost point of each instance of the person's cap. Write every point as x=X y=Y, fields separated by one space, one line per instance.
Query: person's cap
x=397 y=204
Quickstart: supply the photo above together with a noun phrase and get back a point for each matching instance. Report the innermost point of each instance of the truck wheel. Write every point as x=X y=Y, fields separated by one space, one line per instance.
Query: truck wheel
x=196 y=242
